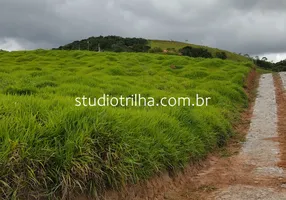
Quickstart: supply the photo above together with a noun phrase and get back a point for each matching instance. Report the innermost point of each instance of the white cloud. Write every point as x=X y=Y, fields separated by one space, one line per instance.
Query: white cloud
x=15 y=44
x=10 y=44
x=275 y=57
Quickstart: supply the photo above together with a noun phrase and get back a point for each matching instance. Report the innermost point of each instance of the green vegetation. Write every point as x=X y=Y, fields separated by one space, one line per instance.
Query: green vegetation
x=108 y=43
x=266 y=65
x=279 y=66
x=163 y=44
x=120 y=44
x=195 y=52
x=49 y=147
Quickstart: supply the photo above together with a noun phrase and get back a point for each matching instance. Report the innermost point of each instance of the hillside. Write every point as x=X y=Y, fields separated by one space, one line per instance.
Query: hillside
x=164 y=44
x=52 y=146
x=120 y=44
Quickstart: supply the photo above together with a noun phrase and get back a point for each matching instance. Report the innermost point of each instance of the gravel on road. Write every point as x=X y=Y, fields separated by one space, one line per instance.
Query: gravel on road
x=261 y=148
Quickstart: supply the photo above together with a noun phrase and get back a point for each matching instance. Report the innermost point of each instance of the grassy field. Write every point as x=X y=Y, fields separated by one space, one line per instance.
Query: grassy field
x=164 y=44
x=49 y=147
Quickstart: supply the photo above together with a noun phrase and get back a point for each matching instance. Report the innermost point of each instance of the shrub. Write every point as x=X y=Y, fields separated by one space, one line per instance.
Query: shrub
x=195 y=52
x=221 y=55
x=156 y=50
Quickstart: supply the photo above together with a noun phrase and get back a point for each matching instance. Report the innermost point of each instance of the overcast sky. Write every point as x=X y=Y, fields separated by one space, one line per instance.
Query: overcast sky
x=256 y=27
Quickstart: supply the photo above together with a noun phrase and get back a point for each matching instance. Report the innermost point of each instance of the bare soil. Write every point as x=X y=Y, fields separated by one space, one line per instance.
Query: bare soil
x=281 y=103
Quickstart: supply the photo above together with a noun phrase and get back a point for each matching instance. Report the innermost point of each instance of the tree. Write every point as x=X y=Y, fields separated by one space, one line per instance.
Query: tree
x=195 y=52
x=264 y=58
x=109 y=43
x=280 y=66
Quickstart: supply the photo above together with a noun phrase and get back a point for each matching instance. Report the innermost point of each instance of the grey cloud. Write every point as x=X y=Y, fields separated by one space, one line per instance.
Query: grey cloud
x=263 y=5
x=29 y=20
x=247 y=26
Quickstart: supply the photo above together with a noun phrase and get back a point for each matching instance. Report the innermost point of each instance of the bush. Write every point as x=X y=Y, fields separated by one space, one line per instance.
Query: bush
x=195 y=52
x=221 y=55
x=118 y=48
x=156 y=50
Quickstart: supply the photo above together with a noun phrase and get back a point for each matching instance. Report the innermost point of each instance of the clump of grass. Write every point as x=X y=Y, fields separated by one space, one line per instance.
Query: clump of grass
x=50 y=148
x=46 y=84
x=116 y=71
x=196 y=74
x=20 y=91
x=37 y=73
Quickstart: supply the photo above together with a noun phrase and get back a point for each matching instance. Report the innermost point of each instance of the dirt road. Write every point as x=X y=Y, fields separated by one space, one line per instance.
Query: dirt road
x=260 y=152
x=254 y=173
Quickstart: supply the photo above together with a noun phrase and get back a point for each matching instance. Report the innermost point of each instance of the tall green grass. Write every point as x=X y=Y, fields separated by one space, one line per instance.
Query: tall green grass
x=49 y=147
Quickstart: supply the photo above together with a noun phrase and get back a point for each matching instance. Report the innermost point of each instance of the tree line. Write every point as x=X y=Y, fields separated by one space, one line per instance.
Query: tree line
x=265 y=64
x=120 y=44
x=109 y=43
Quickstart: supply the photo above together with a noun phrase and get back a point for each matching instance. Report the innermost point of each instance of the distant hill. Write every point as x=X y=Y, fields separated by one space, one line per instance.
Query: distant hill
x=120 y=44
x=164 y=44
x=109 y=43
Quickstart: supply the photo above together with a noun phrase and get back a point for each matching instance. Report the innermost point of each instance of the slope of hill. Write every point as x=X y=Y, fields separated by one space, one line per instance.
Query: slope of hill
x=164 y=44
x=49 y=146
x=120 y=44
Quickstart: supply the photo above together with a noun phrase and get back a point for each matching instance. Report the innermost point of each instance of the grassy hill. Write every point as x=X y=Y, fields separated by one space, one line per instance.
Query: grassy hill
x=49 y=146
x=164 y=44
x=120 y=44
